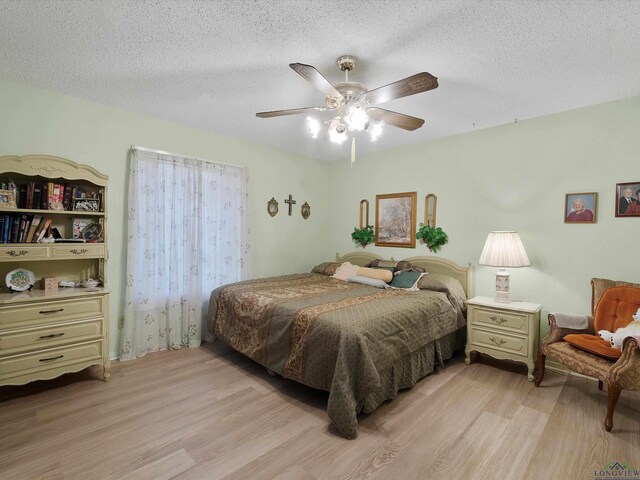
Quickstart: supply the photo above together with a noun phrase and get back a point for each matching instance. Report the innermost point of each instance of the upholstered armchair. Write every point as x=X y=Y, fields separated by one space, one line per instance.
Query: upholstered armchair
x=583 y=351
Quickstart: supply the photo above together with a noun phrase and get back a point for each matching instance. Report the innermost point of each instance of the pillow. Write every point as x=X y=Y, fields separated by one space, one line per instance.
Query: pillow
x=372 y=282
x=406 y=280
x=379 y=273
x=346 y=270
x=593 y=344
x=440 y=282
x=326 y=268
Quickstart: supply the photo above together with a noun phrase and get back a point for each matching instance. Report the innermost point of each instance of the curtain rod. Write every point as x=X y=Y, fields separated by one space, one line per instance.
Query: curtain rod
x=162 y=152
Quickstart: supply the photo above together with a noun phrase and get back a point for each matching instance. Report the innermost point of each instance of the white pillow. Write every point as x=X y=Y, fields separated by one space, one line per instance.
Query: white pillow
x=372 y=282
x=345 y=271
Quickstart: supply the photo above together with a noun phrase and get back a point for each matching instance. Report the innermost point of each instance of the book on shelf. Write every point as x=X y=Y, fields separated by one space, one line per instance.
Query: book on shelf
x=6 y=234
x=15 y=229
x=37 y=195
x=42 y=230
x=22 y=196
x=44 y=202
x=32 y=228
x=22 y=223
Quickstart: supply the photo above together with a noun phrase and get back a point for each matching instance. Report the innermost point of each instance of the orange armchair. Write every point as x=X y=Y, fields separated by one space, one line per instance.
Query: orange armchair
x=584 y=352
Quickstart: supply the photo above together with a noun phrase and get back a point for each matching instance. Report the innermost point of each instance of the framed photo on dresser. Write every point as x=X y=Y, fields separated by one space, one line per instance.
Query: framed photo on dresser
x=628 y=199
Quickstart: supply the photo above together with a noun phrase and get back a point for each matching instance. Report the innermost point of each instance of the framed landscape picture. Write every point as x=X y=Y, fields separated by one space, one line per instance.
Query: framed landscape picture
x=396 y=219
x=580 y=207
x=628 y=199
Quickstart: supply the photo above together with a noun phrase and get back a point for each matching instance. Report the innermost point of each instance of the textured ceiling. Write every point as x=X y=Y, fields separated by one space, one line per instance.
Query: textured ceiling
x=213 y=64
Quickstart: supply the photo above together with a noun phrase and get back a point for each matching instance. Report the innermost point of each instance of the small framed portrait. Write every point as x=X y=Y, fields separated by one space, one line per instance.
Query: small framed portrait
x=580 y=207
x=396 y=220
x=86 y=205
x=305 y=210
x=7 y=199
x=628 y=199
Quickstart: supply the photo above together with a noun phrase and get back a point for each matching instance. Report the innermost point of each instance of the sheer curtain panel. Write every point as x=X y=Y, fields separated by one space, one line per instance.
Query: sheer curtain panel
x=188 y=233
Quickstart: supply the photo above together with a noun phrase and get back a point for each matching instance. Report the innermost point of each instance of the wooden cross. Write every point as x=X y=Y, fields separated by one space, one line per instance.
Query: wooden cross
x=291 y=203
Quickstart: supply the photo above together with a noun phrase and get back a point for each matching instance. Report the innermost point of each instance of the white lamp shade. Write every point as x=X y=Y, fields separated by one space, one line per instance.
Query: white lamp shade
x=504 y=249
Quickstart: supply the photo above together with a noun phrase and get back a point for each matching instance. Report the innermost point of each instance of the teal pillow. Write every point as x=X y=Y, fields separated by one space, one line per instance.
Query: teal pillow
x=405 y=279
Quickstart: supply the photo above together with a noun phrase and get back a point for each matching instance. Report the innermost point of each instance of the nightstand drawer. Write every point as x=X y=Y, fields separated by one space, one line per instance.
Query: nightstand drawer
x=510 y=321
x=46 y=313
x=51 y=358
x=37 y=338
x=499 y=341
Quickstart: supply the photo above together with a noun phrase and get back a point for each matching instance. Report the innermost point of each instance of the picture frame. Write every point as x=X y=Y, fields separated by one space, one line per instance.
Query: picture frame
x=628 y=199
x=272 y=207
x=396 y=220
x=8 y=199
x=581 y=207
x=305 y=210
x=86 y=204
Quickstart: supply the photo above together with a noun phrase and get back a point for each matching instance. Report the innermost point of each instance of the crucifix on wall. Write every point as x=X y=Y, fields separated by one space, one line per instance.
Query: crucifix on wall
x=291 y=203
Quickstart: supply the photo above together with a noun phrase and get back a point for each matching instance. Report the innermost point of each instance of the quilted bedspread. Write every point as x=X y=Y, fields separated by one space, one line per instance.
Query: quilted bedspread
x=330 y=334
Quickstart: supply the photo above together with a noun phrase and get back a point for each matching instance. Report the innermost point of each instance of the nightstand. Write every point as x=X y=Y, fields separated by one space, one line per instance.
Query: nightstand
x=507 y=331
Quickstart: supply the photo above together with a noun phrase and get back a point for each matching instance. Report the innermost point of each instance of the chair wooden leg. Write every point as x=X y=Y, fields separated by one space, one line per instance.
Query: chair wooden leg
x=599 y=384
x=614 y=393
x=540 y=367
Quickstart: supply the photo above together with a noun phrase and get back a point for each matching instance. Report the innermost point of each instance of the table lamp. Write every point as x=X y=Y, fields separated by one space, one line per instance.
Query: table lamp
x=503 y=249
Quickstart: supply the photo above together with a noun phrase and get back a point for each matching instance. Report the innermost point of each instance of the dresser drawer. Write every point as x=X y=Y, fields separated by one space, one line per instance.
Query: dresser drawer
x=499 y=341
x=23 y=252
x=46 y=313
x=78 y=250
x=510 y=321
x=23 y=364
x=38 y=338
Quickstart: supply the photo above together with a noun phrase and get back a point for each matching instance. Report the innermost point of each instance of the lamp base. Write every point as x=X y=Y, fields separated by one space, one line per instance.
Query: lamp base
x=503 y=295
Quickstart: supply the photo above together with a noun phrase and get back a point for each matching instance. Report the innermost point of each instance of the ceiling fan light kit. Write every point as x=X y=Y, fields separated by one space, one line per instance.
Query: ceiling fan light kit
x=352 y=104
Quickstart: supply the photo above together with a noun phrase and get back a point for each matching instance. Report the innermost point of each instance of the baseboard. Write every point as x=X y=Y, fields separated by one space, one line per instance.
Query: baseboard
x=556 y=367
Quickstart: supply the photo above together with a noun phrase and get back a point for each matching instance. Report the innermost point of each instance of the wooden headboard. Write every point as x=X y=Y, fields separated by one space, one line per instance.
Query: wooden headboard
x=430 y=264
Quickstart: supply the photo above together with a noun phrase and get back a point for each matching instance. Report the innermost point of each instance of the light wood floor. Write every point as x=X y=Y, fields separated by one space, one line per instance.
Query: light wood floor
x=209 y=413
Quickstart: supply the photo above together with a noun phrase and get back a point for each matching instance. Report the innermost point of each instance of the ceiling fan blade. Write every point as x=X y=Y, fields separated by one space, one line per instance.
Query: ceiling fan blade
x=395 y=119
x=292 y=111
x=418 y=83
x=315 y=78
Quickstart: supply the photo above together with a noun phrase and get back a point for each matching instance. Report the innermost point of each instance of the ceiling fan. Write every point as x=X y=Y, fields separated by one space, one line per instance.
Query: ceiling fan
x=354 y=104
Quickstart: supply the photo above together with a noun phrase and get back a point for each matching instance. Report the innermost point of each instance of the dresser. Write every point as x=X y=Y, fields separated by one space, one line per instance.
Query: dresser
x=507 y=331
x=45 y=333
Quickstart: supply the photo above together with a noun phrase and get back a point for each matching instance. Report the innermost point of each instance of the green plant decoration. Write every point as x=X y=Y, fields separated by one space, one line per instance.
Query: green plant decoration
x=434 y=238
x=364 y=235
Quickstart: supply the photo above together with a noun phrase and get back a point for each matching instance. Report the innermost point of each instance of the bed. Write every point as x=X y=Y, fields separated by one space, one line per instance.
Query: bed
x=361 y=344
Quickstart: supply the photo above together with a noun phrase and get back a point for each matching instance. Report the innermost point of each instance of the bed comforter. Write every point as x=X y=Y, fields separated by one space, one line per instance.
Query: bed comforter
x=332 y=335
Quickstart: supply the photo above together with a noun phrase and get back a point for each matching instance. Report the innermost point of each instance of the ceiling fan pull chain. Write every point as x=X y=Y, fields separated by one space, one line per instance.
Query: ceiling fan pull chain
x=353 y=151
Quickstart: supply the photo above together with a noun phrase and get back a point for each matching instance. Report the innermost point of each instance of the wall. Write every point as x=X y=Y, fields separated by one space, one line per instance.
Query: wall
x=514 y=177
x=37 y=121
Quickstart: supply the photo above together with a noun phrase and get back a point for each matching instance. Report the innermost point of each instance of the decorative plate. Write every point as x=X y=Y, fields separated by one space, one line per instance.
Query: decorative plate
x=20 y=279
x=92 y=232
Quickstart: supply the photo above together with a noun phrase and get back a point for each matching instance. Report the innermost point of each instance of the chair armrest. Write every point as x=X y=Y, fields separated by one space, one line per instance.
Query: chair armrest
x=626 y=371
x=557 y=334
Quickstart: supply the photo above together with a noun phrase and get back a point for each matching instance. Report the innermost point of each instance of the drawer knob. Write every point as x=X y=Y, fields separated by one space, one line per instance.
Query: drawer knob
x=53 y=335
x=75 y=251
x=499 y=342
x=44 y=312
x=498 y=320
x=50 y=359
x=19 y=253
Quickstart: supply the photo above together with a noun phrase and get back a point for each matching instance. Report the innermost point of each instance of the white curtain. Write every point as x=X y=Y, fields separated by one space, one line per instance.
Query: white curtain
x=188 y=233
